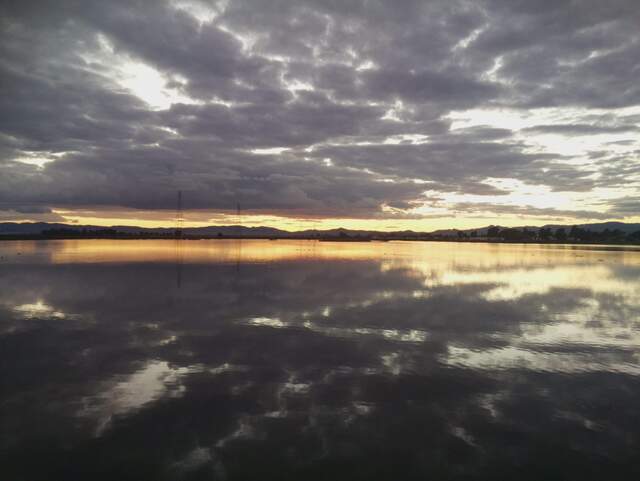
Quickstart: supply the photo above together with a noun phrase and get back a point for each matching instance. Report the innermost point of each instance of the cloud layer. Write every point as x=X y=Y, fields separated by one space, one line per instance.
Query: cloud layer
x=320 y=109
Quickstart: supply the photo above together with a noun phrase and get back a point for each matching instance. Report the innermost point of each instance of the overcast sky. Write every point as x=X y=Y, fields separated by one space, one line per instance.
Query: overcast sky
x=398 y=114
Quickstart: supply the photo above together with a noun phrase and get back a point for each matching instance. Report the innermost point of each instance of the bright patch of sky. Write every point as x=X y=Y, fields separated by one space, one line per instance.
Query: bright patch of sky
x=142 y=80
x=575 y=145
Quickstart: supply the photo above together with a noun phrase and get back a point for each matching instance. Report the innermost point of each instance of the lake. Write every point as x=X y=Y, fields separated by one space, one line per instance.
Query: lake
x=257 y=359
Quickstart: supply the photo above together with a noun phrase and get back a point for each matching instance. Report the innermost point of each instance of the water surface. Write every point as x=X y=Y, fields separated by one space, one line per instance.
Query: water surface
x=135 y=360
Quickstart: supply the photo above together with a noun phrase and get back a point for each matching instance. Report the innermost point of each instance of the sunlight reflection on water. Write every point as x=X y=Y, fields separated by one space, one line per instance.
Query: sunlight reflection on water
x=182 y=359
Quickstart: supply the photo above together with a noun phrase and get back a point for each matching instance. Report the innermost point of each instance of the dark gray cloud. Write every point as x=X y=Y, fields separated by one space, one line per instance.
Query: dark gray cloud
x=563 y=53
x=626 y=206
x=528 y=210
x=39 y=213
x=317 y=80
x=271 y=185
x=454 y=162
x=581 y=129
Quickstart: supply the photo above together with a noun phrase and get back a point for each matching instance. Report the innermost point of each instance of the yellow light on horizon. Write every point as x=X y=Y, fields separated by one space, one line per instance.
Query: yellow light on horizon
x=447 y=221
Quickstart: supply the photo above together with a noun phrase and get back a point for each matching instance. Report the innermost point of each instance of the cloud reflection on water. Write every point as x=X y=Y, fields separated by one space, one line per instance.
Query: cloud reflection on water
x=413 y=359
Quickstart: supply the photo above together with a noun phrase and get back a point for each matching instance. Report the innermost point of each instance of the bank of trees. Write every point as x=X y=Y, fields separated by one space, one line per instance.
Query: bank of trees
x=561 y=234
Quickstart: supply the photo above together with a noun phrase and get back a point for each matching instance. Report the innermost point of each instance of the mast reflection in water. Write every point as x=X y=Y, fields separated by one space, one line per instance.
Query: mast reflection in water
x=235 y=359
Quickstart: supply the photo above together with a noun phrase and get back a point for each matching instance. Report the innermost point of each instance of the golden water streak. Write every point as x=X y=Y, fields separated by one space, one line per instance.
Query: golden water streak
x=423 y=256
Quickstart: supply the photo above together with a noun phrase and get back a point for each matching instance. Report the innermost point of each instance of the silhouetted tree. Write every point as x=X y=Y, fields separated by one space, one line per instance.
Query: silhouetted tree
x=527 y=234
x=493 y=231
x=544 y=233
x=511 y=234
x=574 y=232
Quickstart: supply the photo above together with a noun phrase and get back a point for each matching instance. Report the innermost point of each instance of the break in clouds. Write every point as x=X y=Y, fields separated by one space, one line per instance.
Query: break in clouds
x=355 y=109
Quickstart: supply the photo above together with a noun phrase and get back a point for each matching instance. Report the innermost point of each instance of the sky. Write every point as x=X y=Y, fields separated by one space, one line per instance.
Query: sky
x=371 y=114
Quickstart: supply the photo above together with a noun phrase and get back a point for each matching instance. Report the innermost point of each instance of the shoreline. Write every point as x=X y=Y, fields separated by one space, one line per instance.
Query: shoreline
x=8 y=238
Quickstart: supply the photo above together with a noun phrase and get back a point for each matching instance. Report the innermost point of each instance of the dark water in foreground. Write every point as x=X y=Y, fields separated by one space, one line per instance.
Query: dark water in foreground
x=136 y=360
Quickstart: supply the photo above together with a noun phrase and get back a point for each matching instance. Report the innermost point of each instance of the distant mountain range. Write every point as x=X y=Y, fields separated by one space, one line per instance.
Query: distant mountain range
x=38 y=228
x=627 y=228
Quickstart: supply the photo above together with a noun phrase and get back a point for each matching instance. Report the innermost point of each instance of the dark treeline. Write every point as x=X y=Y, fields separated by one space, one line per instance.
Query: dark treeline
x=572 y=234
x=560 y=234
x=98 y=234
x=88 y=234
x=66 y=233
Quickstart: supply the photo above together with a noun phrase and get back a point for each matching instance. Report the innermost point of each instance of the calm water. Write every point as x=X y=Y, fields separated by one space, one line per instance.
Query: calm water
x=136 y=360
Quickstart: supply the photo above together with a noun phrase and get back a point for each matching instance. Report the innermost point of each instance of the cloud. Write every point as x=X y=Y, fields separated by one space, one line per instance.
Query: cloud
x=358 y=97
x=286 y=186
x=37 y=213
x=460 y=163
x=529 y=211
x=581 y=129
x=626 y=206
